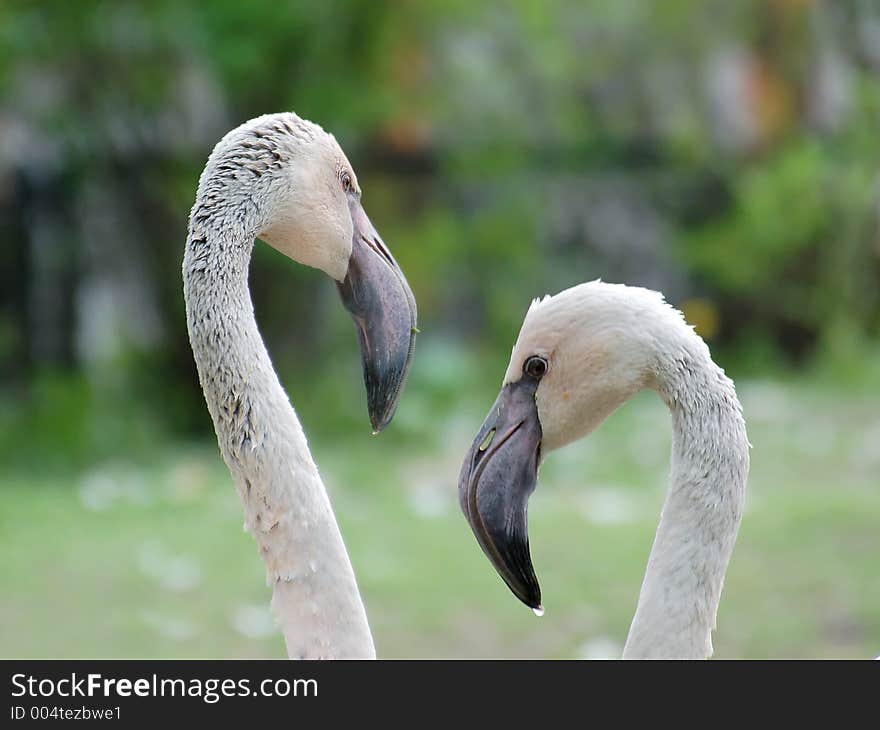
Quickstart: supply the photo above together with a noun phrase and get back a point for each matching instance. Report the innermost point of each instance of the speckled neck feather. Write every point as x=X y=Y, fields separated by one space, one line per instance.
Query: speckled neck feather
x=315 y=596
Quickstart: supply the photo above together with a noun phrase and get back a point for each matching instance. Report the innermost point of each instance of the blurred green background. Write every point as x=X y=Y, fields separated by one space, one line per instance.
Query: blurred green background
x=724 y=153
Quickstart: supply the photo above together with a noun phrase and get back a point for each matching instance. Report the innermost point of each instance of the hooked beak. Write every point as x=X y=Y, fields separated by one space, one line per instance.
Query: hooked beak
x=498 y=475
x=383 y=307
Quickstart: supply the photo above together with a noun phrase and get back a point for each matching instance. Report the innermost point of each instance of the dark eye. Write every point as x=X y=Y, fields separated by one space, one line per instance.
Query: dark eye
x=345 y=179
x=535 y=366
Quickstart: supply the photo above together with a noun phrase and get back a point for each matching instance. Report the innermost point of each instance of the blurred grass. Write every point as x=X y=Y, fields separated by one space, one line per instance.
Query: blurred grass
x=148 y=559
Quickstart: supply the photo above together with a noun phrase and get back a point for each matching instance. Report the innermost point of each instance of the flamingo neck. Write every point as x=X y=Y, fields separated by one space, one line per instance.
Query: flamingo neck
x=701 y=515
x=315 y=596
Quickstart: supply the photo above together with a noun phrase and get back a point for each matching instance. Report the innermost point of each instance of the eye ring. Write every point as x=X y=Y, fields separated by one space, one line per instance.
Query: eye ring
x=536 y=367
x=345 y=179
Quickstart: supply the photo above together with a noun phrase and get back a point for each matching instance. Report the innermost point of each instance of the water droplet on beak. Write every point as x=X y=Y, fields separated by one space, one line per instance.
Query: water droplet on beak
x=539 y=611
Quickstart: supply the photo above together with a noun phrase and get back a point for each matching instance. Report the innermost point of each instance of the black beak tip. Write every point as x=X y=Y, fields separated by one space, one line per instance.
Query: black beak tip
x=384 y=385
x=533 y=600
x=381 y=417
x=529 y=591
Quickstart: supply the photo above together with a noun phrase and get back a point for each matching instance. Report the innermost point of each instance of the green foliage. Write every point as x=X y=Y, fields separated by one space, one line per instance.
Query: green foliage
x=482 y=133
x=61 y=423
x=795 y=242
x=778 y=214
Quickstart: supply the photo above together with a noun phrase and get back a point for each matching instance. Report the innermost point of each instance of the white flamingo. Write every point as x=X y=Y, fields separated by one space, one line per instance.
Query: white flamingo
x=581 y=354
x=284 y=180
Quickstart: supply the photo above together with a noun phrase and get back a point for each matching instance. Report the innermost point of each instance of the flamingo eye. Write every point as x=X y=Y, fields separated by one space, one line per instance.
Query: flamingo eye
x=345 y=179
x=535 y=367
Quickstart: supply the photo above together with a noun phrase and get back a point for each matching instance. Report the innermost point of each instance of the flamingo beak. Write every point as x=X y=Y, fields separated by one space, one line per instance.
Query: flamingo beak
x=383 y=307
x=499 y=474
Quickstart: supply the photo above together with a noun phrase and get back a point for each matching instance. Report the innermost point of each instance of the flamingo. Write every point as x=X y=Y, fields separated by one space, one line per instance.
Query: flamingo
x=581 y=354
x=286 y=181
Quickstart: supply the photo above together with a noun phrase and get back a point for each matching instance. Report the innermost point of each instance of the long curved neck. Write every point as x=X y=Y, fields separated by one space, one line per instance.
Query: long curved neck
x=701 y=515
x=315 y=596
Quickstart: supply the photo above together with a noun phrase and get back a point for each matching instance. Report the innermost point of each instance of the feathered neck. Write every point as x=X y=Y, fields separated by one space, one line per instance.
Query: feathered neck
x=315 y=596
x=702 y=512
